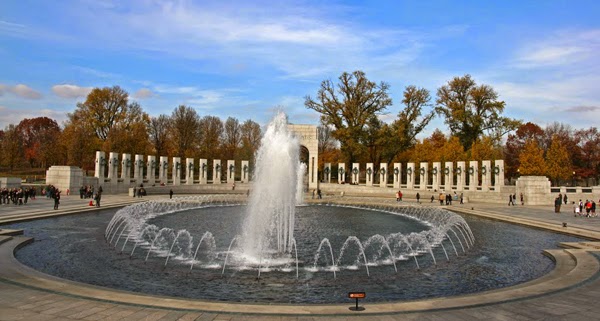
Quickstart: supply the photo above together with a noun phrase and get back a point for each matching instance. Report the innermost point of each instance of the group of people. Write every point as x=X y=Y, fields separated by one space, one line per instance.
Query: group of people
x=86 y=191
x=141 y=191
x=17 y=196
x=512 y=199
x=443 y=198
x=318 y=193
x=447 y=198
x=589 y=206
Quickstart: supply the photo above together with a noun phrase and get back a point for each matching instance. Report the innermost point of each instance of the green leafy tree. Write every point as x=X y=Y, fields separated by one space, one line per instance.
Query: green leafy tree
x=558 y=162
x=532 y=160
x=471 y=110
x=348 y=107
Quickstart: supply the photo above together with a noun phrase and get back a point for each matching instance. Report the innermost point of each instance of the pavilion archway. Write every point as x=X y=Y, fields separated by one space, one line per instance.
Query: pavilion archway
x=308 y=137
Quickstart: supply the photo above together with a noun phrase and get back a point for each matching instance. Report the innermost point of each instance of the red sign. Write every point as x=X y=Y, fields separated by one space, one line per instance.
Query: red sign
x=357 y=295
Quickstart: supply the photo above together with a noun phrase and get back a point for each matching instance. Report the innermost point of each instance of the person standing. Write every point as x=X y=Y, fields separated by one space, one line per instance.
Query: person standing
x=134 y=191
x=522 y=200
x=319 y=194
x=565 y=199
x=461 y=198
x=400 y=195
x=418 y=198
x=510 y=200
x=56 y=199
x=98 y=197
x=171 y=193
x=557 y=202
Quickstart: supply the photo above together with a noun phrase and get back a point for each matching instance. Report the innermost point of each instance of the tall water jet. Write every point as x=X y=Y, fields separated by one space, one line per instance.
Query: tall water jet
x=269 y=223
x=300 y=183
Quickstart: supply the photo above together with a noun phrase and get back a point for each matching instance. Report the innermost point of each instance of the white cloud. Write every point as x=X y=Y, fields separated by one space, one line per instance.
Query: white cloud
x=20 y=90
x=71 y=91
x=562 y=48
x=144 y=93
x=297 y=40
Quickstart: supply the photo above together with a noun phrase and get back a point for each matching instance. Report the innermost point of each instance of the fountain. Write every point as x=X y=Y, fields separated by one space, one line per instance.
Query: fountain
x=266 y=242
x=265 y=249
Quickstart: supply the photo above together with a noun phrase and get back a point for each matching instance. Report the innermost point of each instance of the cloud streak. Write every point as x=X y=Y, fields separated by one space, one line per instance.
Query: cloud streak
x=71 y=91
x=20 y=90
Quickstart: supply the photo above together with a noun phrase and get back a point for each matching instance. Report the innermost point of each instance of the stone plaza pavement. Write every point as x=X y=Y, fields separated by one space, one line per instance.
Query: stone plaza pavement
x=570 y=293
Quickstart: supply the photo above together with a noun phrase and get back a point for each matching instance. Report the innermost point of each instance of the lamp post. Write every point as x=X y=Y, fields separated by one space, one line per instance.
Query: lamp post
x=573 y=178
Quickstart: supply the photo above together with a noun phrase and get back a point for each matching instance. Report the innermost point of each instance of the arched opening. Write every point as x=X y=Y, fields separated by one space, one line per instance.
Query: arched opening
x=304 y=159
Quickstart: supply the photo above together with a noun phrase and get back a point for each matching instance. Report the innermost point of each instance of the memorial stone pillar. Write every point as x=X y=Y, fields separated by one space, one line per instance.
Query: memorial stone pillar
x=216 y=171
x=203 y=169
x=245 y=171
x=461 y=173
x=230 y=171
x=383 y=174
x=327 y=172
x=448 y=176
x=410 y=175
x=355 y=173
x=397 y=175
x=189 y=176
x=424 y=175
x=126 y=168
x=99 y=167
x=486 y=175
x=436 y=174
x=369 y=176
x=341 y=173
x=138 y=169
x=473 y=175
x=163 y=169
x=151 y=170
x=113 y=167
x=176 y=171
x=498 y=173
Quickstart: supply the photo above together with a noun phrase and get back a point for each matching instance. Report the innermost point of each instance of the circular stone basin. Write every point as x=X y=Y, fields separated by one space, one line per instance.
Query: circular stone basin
x=73 y=247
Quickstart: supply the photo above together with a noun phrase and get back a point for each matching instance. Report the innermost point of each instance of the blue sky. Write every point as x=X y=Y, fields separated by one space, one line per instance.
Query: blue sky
x=246 y=58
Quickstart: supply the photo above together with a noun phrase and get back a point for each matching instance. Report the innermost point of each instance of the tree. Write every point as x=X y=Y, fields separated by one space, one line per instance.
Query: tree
x=184 y=126
x=11 y=146
x=80 y=143
x=410 y=123
x=251 y=134
x=210 y=135
x=103 y=109
x=516 y=142
x=348 y=107
x=158 y=130
x=557 y=161
x=453 y=151
x=485 y=148
x=232 y=138
x=588 y=157
x=471 y=111
x=131 y=134
x=532 y=160
x=40 y=137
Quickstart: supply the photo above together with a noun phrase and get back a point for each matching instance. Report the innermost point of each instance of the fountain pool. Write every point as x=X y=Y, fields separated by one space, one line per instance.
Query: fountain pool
x=74 y=247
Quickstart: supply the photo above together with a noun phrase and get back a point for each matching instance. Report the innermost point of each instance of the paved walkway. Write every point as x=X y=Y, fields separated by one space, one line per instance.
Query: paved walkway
x=20 y=300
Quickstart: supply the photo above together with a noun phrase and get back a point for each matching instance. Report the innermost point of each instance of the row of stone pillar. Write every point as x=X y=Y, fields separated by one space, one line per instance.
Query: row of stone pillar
x=181 y=171
x=474 y=172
